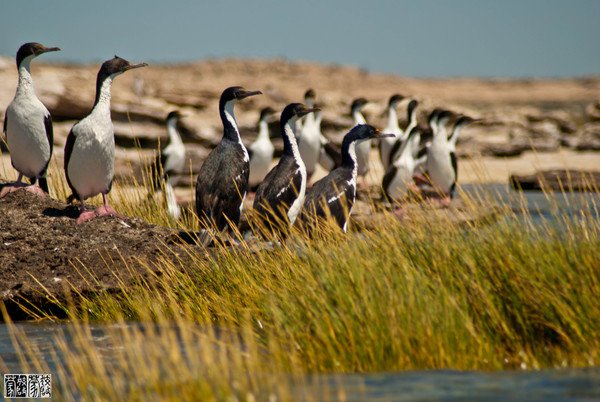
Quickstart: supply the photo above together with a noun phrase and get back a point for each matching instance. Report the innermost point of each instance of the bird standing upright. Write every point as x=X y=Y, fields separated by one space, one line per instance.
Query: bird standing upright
x=309 y=138
x=28 y=126
x=280 y=196
x=223 y=178
x=334 y=195
x=385 y=145
x=363 y=148
x=461 y=122
x=398 y=178
x=168 y=164
x=171 y=159
x=439 y=161
x=261 y=151
x=90 y=147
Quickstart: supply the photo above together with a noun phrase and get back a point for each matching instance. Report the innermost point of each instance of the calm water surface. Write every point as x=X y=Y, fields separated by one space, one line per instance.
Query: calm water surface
x=436 y=385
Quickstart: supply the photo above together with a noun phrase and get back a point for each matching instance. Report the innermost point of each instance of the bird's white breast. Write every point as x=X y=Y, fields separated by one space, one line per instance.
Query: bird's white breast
x=26 y=134
x=262 y=156
x=439 y=165
x=175 y=158
x=91 y=167
x=309 y=145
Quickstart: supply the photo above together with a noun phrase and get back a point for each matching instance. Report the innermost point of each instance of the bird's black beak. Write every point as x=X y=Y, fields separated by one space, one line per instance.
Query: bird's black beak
x=306 y=111
x=246 y=94
x=132 y=66
x=49 y=49
x=379 y=134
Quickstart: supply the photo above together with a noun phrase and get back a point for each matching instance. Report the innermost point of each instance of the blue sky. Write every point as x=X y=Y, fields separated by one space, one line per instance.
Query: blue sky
x=439 y=38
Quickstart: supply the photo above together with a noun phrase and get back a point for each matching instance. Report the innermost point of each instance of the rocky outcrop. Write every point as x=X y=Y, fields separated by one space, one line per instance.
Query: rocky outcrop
x=557 y=180
x=592 y=111
x=587 y=138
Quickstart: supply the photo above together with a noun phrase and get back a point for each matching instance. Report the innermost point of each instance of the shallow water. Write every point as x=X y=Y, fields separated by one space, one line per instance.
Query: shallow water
x=436 y=385
x=549 y=207
x=446 y=385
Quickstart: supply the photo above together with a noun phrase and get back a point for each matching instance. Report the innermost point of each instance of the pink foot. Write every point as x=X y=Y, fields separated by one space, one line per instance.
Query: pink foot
x=34 y=189
x=445 y=202
x=107 y=211
x=85 y=216
x=11 y=188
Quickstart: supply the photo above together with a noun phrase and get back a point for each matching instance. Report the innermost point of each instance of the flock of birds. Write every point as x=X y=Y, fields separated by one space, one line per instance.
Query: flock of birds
x=412 y=157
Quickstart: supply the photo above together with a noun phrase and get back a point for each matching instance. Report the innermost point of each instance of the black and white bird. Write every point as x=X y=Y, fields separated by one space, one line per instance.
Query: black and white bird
x=411 y=115
x=386 y=144
x=334 y=195
x=461 y=122
x=170 y=161
x=440 y=167
x=426 y=134
x=280 y=196
x=309 y=136
x=223 y=178
x=28 y=126
x=90 y=147
x=261 y=151
x=398 y=178
x=363 y=148
x=169 y=164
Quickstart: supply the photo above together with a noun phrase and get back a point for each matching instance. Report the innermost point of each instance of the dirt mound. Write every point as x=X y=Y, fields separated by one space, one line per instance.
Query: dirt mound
x=39 y=238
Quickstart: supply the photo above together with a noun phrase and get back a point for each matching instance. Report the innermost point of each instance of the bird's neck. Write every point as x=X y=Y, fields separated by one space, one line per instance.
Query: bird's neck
x=309 y=118
x=349 y=154
x=230 y=127
x=102 y=102
x=440 y=137
x=442 y=133
x=393 y=119
x=412 y=123
x=455 y=133
x=263 y=130
x=290 y=146
x=174 y=137
x=25 y=85
x=358 y=117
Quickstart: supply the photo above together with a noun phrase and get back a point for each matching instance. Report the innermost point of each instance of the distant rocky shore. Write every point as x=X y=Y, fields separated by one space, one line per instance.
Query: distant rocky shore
x=518 y=115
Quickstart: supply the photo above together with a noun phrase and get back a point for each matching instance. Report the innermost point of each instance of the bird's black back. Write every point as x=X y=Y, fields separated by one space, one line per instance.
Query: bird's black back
x=221 y=185
x=279 y=190
x=335 y=184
